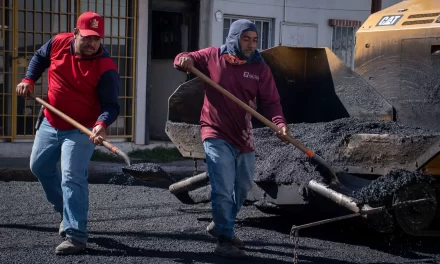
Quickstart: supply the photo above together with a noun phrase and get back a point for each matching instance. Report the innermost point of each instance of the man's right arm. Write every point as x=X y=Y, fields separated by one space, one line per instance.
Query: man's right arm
x=39 y=63
x=200 y=59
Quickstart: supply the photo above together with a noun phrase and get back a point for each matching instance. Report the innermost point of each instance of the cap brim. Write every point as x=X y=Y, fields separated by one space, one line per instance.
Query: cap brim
x=89 y=32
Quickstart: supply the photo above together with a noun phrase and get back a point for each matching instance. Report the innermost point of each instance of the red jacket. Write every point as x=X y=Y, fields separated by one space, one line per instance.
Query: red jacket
x=221 y=117
x=84 y=88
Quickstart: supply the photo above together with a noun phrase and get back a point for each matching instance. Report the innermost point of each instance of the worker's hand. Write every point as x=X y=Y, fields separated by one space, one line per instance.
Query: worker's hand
x=98 y=135
x=23 y=89
x=186 y=63
x=283 y=133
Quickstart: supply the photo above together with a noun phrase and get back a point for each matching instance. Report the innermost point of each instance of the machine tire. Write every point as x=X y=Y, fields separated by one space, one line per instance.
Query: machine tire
x=417 y=217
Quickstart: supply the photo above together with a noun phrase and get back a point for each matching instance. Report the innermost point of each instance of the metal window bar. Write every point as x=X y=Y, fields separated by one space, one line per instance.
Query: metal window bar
x=231 y=19
x=347 y=48
x=342 y=46
x=6 y=49
x=333 y=39
x=2 y=70
x=33 y=22
x=115 y=13
x=14 y=72
x=3 y=25
x=340 y=41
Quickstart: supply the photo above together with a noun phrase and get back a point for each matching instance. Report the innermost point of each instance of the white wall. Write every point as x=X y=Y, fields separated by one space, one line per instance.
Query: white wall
x=141 y=73
x=297 y=11
x=388 y=3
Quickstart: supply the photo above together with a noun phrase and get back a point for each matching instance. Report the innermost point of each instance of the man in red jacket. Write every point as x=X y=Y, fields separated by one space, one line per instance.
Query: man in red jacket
x=83 y=83
x=226 y=128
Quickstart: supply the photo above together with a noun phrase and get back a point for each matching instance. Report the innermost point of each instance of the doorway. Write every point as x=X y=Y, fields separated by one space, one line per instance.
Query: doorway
x=174 y=29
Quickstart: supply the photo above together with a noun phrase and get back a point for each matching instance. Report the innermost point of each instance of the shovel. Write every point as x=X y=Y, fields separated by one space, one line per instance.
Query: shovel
x=86 y=131
x=183 y=197
x=329 y=172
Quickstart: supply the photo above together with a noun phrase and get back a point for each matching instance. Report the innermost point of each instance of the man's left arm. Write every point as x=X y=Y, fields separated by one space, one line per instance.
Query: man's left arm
x=108 y=93
x=270 y=99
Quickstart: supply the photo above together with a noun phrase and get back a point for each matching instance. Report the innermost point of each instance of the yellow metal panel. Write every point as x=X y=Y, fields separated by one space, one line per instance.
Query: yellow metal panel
x=3 y=20
x=14 y=67
x=404 y=15
x=120 y=35
x=35 y=22
x=4 y=73
x=134 y=63
x=433 y=166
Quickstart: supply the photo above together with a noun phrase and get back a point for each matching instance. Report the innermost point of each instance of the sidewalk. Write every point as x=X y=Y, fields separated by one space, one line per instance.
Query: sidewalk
x=17 y=169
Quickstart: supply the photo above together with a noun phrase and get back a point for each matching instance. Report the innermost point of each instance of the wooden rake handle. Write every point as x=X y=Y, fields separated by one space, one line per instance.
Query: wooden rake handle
x=85 y=130
x=311 y=154
x=250 y=110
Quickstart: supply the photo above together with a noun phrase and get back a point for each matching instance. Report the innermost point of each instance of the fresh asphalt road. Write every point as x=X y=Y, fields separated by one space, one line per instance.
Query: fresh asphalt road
x=138 y=224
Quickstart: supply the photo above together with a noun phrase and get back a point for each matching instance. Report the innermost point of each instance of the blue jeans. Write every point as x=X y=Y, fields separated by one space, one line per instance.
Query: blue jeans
x=231 y=175
x=67 y=190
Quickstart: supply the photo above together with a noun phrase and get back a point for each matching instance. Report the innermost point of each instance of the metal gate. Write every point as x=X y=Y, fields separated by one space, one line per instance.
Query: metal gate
x=25 y=25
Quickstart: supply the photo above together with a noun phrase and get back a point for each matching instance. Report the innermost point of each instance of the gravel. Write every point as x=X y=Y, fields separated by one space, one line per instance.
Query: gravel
x=382 y=189
x=144 y=172
x=285 y=164
x=135 y=224
x=122 y=178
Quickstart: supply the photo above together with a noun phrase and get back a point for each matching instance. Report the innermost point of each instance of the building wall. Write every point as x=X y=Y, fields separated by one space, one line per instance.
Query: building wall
x=309 y=13
x=388 y=3
x=292 y=22
x=173 y=24
x=141 y=134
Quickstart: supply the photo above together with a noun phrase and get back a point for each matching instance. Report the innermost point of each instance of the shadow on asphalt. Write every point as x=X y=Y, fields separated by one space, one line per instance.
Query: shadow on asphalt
x=119 y=249
x=113 y=248
x=351 y=231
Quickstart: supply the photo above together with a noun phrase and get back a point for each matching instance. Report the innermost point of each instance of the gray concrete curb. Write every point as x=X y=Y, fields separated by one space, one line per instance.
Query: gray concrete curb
x=99 y=172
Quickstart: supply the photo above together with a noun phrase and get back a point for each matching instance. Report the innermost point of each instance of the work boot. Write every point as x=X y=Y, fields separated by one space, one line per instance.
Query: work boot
x=70 y=246
x=238 y=243
x=61 y=231
x=225 y=248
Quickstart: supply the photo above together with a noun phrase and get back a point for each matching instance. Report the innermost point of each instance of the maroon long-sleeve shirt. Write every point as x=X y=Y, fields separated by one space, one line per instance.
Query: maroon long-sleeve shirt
x=220 y=116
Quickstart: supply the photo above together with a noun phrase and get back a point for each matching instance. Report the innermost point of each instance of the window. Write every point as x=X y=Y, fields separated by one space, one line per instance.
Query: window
x=343 y=43
x=166 y=35
x=264 y=28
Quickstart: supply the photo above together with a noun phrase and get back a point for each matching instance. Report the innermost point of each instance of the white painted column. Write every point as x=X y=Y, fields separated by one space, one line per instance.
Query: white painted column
x=205 y=24
x=141 y=104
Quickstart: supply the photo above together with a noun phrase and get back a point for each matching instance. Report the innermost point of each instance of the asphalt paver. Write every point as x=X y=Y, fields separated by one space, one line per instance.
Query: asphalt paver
x=138 y=224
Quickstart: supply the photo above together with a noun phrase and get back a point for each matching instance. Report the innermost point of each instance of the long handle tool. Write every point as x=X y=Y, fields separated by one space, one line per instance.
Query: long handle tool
x=86 y=131
x=311 y=154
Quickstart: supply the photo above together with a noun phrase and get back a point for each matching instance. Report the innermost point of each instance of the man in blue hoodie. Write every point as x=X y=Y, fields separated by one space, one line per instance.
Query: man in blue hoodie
x=226 y=128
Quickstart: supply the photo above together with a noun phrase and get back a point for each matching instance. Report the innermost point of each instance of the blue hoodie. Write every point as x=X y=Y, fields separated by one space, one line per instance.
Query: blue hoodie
x=232 y=45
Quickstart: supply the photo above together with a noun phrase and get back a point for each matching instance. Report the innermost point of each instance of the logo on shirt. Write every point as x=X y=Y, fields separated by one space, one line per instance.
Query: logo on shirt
x=251 y=76
x=94 y=23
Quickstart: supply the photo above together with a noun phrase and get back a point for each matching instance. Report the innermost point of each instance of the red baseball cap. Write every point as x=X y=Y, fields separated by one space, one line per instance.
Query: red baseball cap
x=90 y=24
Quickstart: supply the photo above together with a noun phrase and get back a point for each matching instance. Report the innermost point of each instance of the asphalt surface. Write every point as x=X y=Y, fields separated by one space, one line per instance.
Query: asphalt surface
x=138 y=224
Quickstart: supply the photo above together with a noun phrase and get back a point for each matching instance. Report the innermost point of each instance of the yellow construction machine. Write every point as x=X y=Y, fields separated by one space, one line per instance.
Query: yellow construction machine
x=396 y=78
x=398 y=54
